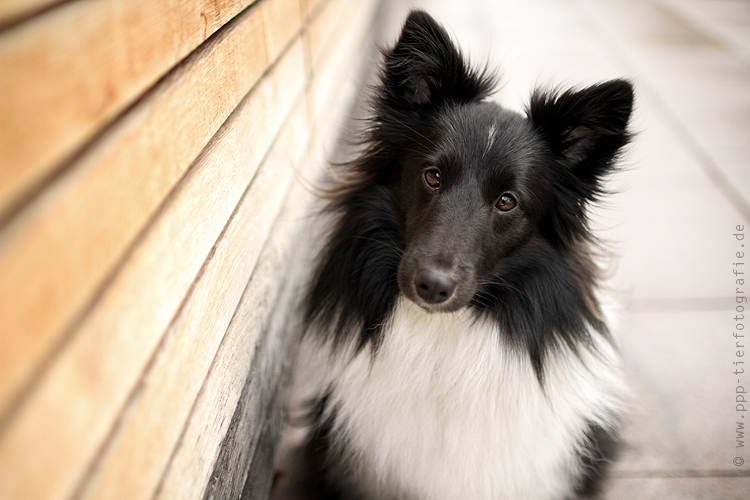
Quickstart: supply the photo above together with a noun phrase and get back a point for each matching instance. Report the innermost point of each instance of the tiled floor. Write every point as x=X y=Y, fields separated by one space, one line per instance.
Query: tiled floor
x=685 y=187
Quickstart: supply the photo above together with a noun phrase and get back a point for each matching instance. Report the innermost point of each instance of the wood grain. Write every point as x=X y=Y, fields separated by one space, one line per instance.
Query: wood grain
x=14 y=10
x=198 y=449
x=326 y=26
x=336 y=65
x=282 y=20
x=209 y=420
x=73 y=235
x=101 y=55
x=100 y=367
x=144 y=444
x=245 y=375
x=309 y=6
x=145 y=272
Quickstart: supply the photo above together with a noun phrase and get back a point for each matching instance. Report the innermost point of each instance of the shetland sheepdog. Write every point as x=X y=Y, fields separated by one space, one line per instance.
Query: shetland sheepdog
x=454 y=347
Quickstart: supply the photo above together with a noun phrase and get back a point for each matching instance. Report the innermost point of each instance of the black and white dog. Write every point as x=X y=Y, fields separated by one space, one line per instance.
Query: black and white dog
x=454 y=345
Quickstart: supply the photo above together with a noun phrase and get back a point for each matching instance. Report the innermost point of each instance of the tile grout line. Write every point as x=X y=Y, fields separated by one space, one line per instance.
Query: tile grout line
x=691 y=21
x=684 y=304
x=678 y=474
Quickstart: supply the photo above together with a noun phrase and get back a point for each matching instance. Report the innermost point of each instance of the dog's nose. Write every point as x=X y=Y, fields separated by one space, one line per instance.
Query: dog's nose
x=434 y=287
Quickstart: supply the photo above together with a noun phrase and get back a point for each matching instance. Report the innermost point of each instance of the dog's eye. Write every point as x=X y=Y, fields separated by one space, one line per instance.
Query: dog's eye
x=506 y=203
x=431 y=178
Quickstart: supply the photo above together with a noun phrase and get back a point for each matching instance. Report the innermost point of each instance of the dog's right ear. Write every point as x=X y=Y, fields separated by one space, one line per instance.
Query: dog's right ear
x=425 y=68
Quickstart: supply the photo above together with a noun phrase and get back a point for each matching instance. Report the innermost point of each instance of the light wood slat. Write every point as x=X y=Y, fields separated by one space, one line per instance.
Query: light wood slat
x=309 y=6
x=199 y=446
x=325 y=28
x=66 y=418
x=210 y=419
x=208 y=423
x=71 y=70
x=335 y=64
x=248 y=240
x=11 y=10
x=283 y=20
x=72 y=236
x=131 y=469
x=322 y=25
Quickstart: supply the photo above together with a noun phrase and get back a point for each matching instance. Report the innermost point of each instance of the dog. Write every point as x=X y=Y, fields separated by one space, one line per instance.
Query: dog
x=453 y=344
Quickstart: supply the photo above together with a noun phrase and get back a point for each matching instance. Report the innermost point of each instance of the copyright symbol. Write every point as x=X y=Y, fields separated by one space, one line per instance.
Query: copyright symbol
x=738 y=461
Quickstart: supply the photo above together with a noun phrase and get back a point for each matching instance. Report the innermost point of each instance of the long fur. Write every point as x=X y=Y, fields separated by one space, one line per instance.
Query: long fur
x=454 y=347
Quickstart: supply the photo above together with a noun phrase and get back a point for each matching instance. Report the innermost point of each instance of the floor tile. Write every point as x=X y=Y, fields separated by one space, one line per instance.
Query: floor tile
x=734 y=488
x=684 y=411
x=728 y=21
x=703 y=88
x=669 y=225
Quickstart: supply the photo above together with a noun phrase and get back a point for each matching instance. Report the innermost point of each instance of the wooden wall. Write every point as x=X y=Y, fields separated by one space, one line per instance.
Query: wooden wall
x=149 y=157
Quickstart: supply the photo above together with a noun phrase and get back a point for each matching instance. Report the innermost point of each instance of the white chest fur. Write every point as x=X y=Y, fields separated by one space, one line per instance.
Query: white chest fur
x=446 y=411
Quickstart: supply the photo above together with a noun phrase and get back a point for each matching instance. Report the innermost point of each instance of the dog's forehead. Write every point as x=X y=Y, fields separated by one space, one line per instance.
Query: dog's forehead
x=488 y=135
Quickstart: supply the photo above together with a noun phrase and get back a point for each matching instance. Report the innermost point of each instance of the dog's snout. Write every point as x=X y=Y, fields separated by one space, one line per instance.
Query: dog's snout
x=434 y=286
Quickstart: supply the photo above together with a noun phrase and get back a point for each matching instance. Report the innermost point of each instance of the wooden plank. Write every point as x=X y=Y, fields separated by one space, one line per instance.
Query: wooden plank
x=224 y=386
x=309 y=7
x=337 y=64
x=251 y=437
x=327 y=25
x=196 y=455
x=242 y=346
x=13 y=10
x=55 y=255
x=101 y=55
x=251 y=441
x=135 y=460
x=255 y=410
x=208 y=423
x=322 y=18
x=282 y=19
x=88 y=383
x=248 y=373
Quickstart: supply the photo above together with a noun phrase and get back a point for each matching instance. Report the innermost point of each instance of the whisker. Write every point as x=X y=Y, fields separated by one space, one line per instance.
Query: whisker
x=388 y=244
x=504 y=283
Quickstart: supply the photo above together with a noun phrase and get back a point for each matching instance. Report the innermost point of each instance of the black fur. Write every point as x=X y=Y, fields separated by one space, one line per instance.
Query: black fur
x=529 y=268
x=430 y=109
x=600 y=452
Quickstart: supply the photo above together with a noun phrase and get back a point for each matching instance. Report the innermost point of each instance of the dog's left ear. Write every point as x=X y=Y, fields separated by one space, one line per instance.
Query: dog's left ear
x=584 y=129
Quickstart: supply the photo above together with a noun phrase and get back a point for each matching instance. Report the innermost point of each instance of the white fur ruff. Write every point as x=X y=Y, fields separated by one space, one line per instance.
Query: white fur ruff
x=446 y=411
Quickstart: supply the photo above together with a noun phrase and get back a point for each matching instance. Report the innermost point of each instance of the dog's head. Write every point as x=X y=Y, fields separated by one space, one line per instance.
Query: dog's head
x=477 y=186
